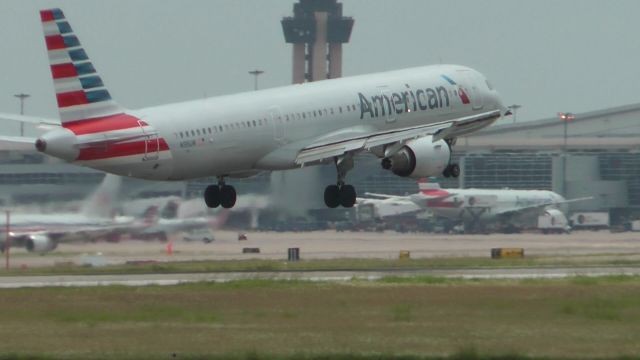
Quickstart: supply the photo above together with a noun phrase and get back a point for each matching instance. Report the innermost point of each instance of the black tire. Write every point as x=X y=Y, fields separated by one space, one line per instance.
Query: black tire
x=454 y=170
x=347 y=196
x=212 y=196
x=446 y=173
x=227 y=196
x=332 y=196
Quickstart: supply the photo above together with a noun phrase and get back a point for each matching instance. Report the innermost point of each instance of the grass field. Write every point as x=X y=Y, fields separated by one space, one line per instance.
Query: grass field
x=419 y=318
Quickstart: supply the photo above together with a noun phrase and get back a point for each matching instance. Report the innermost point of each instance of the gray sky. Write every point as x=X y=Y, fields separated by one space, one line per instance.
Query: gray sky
x=547 y=55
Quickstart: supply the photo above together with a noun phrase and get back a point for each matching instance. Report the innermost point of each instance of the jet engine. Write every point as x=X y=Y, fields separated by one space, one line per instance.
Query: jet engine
x=419 y=158
x=40 y=243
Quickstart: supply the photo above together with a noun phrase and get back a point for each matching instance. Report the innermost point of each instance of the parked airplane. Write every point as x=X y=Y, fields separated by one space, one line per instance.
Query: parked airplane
x=155 y=226
x=388 y=207
x=408 y=118
x=479 y=208
x=43 y=232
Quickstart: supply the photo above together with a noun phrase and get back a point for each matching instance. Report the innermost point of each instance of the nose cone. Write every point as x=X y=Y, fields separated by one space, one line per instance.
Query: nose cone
x=60 y=143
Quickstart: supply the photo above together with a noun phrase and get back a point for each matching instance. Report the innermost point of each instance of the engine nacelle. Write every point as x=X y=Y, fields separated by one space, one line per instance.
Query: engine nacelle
x=421 y=158
x=40 y=243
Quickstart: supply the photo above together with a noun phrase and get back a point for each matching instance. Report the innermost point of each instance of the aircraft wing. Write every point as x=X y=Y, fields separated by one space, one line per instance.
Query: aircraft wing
x=321 y=150
x=538 y=207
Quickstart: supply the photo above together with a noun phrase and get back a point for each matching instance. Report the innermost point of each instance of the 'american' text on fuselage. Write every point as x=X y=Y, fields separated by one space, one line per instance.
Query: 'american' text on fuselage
x=403 y=102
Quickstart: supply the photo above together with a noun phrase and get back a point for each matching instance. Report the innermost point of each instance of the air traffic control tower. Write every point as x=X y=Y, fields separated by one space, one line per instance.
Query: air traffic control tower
x=317 y=31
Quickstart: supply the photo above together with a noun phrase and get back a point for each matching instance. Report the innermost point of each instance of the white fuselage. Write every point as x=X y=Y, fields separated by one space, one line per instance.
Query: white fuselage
x=486 y=204
x=241 y=135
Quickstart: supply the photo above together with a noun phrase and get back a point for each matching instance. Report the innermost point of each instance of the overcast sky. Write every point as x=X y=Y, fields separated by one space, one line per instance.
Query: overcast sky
x=546 y=55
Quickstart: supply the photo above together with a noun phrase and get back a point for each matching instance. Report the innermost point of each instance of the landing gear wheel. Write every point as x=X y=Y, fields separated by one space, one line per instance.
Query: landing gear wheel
x=386 y=163
x=332 y=196
x=227 y=196
x=212 y=196
x=454 y=170
x=347 y=196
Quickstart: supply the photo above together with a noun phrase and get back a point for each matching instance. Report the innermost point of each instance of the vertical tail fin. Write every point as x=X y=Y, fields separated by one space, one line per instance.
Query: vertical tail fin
x=102 y=202
x=80 y=92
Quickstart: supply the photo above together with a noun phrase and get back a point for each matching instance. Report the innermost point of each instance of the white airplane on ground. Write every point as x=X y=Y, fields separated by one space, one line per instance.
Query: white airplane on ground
x=408 y=118
x=478 y=208
x=388 y=207
x=43 y=232
x=155 y=226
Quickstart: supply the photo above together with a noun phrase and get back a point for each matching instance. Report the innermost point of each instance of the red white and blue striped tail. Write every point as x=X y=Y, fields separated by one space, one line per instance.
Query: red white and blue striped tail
x=80 y=92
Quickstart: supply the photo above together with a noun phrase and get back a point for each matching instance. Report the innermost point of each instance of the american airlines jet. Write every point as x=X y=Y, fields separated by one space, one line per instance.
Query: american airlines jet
x=409 y=118
x=477 y=208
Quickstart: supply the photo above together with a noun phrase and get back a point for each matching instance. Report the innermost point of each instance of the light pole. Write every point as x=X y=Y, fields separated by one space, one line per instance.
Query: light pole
x=255 y=74
x=22 y=97
x=565 y=118
x=515 y=108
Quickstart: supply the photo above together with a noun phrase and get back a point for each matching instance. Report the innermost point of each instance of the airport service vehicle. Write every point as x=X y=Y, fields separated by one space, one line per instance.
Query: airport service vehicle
x=477 y=208
x=553 y=221
x=592 y=220
x=409 y=118
x=43 y=232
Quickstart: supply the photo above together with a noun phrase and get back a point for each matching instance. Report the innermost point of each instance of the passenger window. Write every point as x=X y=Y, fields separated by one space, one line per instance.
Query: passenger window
x=340 y=108
x=193 y=133
x=181 y=135
x=260 y=122
x=254 y=123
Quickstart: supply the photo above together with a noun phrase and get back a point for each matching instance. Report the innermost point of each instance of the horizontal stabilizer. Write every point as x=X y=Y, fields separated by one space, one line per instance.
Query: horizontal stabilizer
x=17 y=143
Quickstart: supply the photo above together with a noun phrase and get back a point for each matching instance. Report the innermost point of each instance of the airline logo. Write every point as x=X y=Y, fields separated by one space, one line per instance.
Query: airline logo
x=103 y=130
x=80 y=91
x=404 y=101
x=461 y=92
x=409 y=100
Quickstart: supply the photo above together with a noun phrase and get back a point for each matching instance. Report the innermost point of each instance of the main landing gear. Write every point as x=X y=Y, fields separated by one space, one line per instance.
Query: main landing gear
x=452 y=170
x=341 y=194
x=221 y=194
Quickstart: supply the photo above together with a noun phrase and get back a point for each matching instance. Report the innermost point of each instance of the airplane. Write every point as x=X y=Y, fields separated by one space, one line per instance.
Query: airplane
x=479 y=208
x=388 y=207
x=43 y=232
x=154 y=226
x=409 y=118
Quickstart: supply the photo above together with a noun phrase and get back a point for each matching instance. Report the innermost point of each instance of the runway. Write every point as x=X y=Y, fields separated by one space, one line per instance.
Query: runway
x=331 y=245
x=14 y=282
